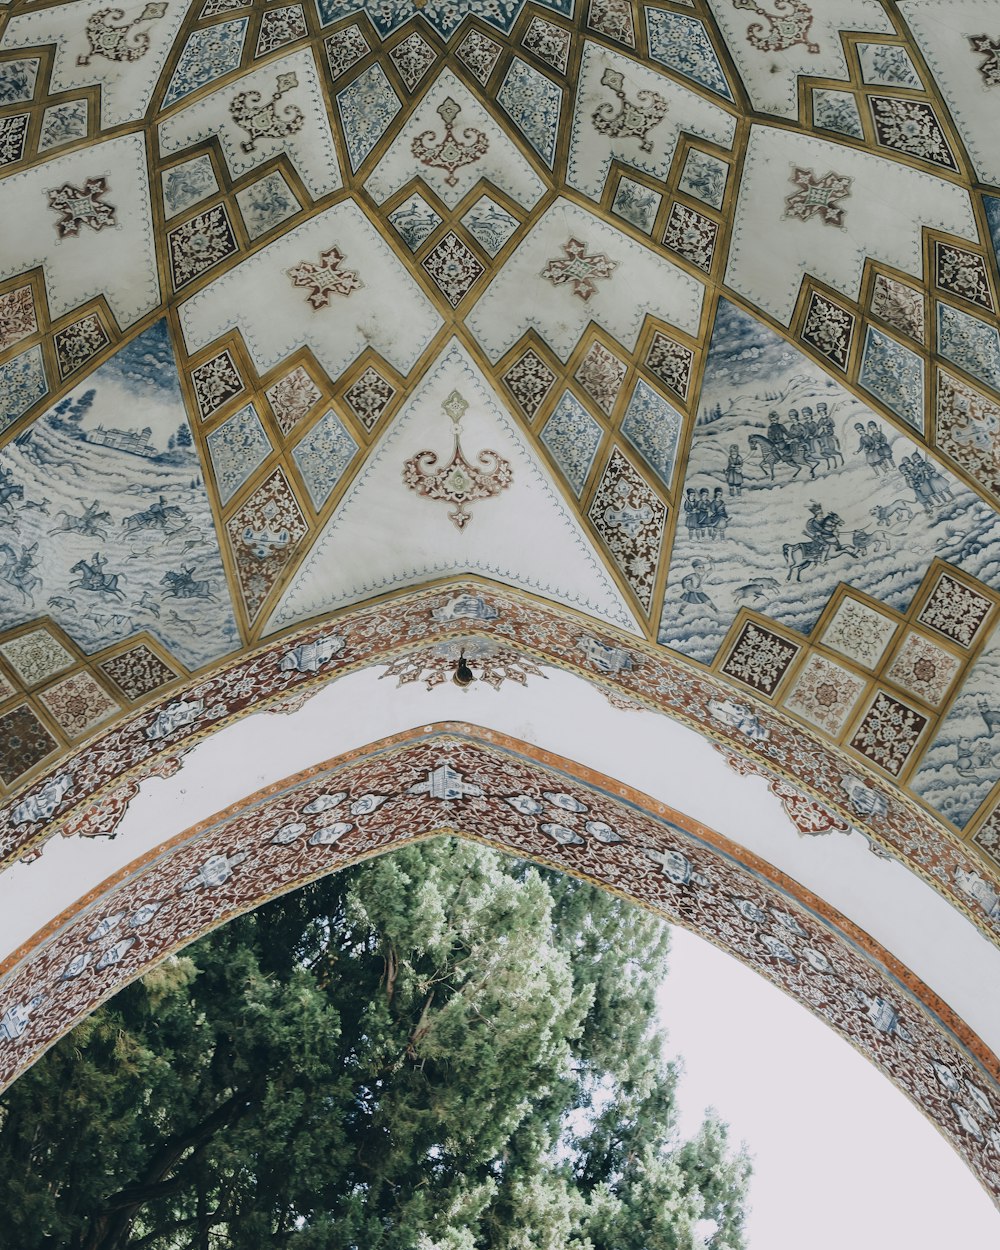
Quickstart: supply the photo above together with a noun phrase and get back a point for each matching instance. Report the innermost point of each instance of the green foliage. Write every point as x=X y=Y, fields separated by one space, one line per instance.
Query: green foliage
x=441 y=1049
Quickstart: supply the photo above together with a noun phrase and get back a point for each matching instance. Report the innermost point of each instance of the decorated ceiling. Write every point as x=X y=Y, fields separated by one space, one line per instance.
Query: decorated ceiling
x=661 y=339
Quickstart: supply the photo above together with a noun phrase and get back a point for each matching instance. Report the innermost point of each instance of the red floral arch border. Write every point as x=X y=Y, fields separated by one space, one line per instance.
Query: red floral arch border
x=461 y=779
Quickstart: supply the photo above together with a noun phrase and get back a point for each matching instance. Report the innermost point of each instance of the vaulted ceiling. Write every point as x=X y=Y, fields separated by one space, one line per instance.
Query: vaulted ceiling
x=677 y=320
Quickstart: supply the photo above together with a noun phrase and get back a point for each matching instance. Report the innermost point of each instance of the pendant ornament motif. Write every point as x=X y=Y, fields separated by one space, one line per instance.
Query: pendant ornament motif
x=459 y=482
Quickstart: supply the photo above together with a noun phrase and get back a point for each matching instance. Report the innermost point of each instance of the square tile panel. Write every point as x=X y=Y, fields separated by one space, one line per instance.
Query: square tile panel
x=829 y=329
x=888 y=732
x=955 y=610
x=671 y=362
x=923 y=668
x=266 y=204
x=824 y=693
x=963 y=274
x=704 y=177
x=415 y=220
x=24 y=742
x=489 y=224
x=859 y=632
x=548 y=42
x=369 y=397
x=35 y=656
x=137 y=672
x=899 y=305
x=601 y=374
x=572 y=436
x=199 y=245
x=637 y=204
x=691 y=235
x=17 y=316
x=215 y=383
x=759 y=658
x=293 y=397
x=529 y=380
x=6 y=689
x=78 y=703
x=453 y=267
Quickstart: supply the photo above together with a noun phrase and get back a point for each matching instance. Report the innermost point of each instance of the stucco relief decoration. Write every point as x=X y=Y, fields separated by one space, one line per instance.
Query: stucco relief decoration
x=631 y=119
x=82 y=206
x=787 y=27
x=810 y=818
x=325 y=278
x=818 y=197
x=266 y=120
x=459 y=482
x=579 y=268
x=109 y=37
x=450 y=152
x=492 y=663
x=989 y=48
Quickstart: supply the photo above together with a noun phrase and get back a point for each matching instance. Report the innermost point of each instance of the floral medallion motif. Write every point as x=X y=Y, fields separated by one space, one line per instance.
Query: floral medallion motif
x=450 y=153
x=818 y=197
x=572 y=436
x=824 y=693
x=859 y=632
x=911 y=126
x=629 y=516
x=82 y=206
x=459 y=482
x=200 y=244
x=293 y=397
x=786 y=28
x=35 y=656
x=369 y=397
x=888 y=733
x=454 y=268
x=601 y=375
x=215 y=383
x=923 y=668
x=109 y=37
x=264 y=120
x=955 y=610
x=632 y=119
x=579 y=269
x=759 y=658
x=529 y=380
x=829 y=329
x=78 y=703
x=237 y=447
x=326 y=278
x=323 y=455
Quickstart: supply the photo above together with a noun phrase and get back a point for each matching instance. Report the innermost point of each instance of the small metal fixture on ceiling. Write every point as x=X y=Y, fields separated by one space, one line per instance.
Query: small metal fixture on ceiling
x=463 y=675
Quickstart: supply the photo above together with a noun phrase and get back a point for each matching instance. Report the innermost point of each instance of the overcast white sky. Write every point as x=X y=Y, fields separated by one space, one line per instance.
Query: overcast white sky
x=843 y=1160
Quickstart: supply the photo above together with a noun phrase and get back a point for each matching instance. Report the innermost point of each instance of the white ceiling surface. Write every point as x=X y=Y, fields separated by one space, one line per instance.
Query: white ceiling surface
x=565 y=715
x=526 y=536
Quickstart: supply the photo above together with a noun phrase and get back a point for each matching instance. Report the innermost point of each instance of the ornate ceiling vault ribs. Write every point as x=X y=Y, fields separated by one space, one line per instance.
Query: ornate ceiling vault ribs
x=718 y=282
x=499 y=790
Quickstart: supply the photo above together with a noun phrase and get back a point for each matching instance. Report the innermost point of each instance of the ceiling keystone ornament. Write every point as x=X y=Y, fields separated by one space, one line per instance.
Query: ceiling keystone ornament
x=451 y=152
x=265 y=121
x=634 y=119
x=818 y=197
x=458 y=482
x=109 y=37
x=326 y=278
x=579 y=268
x=82 y=206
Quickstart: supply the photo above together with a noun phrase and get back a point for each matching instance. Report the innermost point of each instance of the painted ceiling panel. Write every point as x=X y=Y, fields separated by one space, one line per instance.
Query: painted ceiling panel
x=680 y=318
